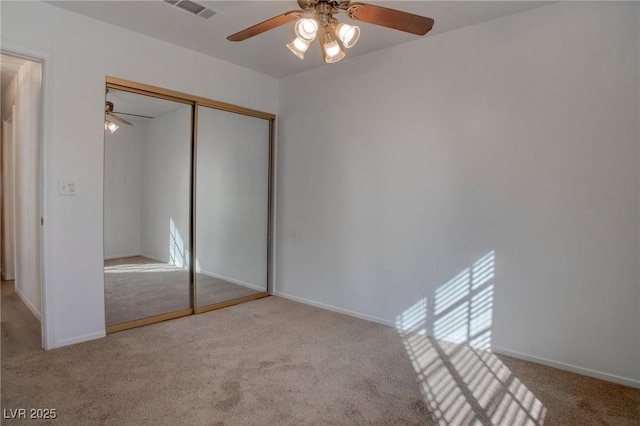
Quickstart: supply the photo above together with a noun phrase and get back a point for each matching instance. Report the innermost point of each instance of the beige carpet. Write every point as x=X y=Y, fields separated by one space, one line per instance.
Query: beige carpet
x=277 y=362
x=20 y=328
x=138 y=287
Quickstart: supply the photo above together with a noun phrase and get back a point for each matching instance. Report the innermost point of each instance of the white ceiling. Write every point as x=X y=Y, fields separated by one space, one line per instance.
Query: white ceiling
x=267 y=52
x=134 y=103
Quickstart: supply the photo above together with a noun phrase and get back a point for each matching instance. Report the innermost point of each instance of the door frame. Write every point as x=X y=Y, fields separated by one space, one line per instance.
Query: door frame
x=7 y=147
x=45 y=58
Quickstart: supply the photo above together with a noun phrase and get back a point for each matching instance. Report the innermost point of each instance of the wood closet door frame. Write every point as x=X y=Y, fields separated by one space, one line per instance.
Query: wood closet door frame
x=195 y=102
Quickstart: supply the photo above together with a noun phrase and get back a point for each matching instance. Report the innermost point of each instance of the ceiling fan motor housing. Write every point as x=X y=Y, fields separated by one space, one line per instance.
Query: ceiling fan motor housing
x=331 y=6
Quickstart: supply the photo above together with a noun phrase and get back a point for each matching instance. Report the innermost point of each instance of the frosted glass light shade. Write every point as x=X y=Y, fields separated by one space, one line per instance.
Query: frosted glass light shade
x=348 y=34
x=110 y=125
x=306 y=29
x=331 y=50
x=298 y=47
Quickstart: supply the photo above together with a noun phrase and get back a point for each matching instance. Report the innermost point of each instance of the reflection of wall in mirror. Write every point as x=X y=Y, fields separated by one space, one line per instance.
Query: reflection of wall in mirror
x=147 y=199
x=123 y=153
x=166 y=188
x=147 y=187
x=232 y=198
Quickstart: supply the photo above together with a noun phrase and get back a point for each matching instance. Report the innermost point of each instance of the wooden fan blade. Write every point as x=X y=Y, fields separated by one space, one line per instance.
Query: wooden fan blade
x=391 y=18
x=122 y=120
x=267 y=25
x=133 y=115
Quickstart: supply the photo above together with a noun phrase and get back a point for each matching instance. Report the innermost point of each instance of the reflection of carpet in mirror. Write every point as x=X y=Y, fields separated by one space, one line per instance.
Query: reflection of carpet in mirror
x=138 y=287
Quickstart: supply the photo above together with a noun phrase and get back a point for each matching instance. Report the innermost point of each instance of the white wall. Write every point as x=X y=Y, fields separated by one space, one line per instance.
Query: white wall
x=516 y=138
x=82 y=52
x=233 y=197
x=147 y=188
x=123 y=151
x=166 y=186
x=7 y=249
x=519 y=135
x=27 y=159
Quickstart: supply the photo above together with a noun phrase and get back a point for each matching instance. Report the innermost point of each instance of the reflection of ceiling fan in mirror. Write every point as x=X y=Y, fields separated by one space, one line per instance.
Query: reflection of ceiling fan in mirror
x=110 y=113
x=317 y=18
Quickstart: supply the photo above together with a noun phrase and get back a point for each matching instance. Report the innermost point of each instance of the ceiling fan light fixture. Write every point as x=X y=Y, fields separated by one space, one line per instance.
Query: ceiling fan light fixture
x=348 y=34
x=298 y=47
x=110 y=126
x=306 y=29
x=331 y=50
x=316 y=18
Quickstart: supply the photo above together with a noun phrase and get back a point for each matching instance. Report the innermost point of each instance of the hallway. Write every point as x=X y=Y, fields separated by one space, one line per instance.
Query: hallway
x=20 y=328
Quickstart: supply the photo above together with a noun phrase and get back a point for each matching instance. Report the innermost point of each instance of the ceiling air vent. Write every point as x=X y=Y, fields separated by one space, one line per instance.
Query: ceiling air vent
x=192 y=7
x=207 y=13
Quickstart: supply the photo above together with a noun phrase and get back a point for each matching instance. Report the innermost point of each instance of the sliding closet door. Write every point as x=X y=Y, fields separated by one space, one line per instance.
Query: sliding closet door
x=147 y=215
x=232 y=206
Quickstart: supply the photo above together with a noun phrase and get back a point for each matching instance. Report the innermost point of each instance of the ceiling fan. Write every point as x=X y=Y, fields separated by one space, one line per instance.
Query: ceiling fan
x=316 y=18
x=109 y=112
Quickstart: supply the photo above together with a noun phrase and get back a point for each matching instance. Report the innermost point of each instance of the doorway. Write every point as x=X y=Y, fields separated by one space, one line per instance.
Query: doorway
x=20 y=208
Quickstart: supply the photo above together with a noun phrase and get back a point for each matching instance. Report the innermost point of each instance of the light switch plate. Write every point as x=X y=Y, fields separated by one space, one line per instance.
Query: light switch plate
x=66 y=187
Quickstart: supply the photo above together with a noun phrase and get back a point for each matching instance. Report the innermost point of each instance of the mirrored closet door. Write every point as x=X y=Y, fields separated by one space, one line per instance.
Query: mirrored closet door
x=232 y=206
x=187 y=190
x=147 y=195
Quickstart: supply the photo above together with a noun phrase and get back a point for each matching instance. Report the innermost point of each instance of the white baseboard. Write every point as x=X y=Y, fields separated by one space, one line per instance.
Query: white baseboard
x=28 y=304
x=80 y=339
x=120 y=256
x=148 y=256
x=569 y=367
x=501 y=351
x=232 y=280
x=336 y=309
